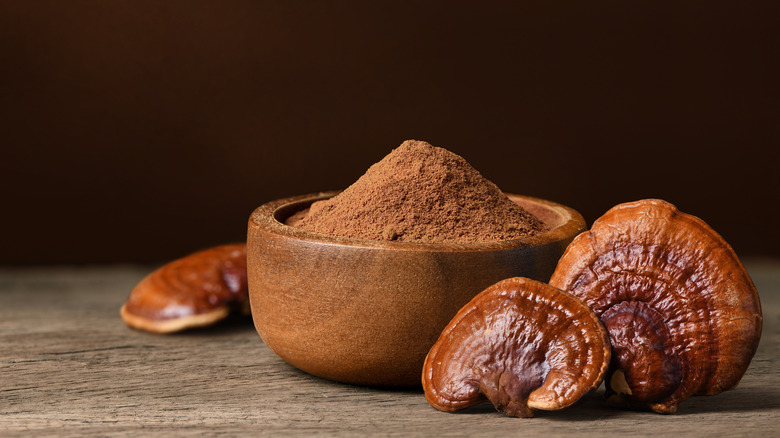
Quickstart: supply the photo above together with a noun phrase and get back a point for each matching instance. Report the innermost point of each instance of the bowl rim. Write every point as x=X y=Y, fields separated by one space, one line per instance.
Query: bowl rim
x=265 y=217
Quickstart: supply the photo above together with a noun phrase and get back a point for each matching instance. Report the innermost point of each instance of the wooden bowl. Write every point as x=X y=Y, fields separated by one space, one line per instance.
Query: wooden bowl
x=367 y=312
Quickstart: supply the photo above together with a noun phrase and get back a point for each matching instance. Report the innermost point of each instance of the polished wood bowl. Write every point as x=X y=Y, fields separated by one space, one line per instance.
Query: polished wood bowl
x=366 y=312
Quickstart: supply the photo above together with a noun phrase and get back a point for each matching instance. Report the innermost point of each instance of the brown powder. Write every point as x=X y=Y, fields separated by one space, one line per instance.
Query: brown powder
x=422 y=193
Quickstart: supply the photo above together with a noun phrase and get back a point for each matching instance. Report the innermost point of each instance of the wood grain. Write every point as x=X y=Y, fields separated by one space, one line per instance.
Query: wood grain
x=69 y=366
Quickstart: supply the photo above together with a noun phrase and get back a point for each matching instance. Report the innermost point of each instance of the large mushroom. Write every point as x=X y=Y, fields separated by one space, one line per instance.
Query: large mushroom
x=194 y=291
x=682 y=313
x=521 y=344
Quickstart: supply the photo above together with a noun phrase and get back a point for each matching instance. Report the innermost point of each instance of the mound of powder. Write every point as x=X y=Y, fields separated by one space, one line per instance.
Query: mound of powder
x=421 y=193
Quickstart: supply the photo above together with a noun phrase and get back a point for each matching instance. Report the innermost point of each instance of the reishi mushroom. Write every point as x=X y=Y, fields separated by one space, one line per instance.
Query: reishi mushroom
x=682 y=313
x=194 y=291
x=521 y=344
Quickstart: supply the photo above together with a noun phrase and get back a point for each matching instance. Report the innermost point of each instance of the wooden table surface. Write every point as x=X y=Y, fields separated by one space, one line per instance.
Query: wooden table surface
x=69 y=366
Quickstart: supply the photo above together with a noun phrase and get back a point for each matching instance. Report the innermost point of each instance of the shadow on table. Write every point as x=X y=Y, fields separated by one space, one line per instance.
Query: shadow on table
x=595 y=407
x=591 y=408
x=232 y=325
x=740 y=399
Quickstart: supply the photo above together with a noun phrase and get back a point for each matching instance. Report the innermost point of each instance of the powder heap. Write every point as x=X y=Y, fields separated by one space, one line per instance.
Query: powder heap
x=422 y=193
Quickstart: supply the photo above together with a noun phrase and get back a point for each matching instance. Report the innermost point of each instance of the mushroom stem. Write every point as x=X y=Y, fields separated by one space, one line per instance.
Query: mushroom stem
x=509 y=393
x=642 y=350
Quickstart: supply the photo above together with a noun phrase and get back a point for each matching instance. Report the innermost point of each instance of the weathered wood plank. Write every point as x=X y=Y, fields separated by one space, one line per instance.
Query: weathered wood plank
x=69 y=366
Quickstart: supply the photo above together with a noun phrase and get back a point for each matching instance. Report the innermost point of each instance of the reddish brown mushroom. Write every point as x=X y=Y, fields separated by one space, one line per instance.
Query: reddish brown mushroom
x=521 y=344
x=683 y=315
x=194 y=291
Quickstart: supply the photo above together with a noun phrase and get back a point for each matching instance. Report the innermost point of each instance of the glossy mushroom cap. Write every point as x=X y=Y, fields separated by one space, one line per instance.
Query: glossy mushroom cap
x=683 y=315
x=194 y=291
x=521 y=344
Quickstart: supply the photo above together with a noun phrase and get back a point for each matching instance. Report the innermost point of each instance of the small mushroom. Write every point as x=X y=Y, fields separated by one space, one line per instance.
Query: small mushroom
x=682 y=313
x=194 y=291
x=521 y=344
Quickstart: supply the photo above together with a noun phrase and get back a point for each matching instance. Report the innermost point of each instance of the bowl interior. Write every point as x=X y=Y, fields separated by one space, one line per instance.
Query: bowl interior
x=551 y=217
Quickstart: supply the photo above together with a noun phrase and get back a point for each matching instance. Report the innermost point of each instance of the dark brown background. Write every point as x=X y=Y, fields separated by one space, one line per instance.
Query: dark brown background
x=137 y=131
